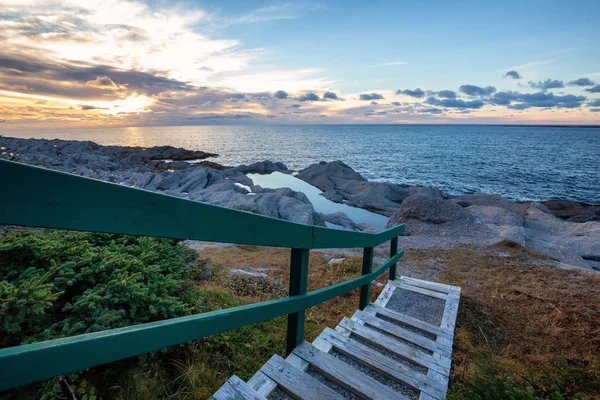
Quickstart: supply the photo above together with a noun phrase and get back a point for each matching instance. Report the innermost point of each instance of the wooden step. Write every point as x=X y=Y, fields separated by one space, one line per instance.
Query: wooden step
x=344 y=375
x=416 y=323
x=384 y=365
x=236 y=389
x=420 y=290
x=295 y=382
x=435 y=286
x=404 y=334
x=396 y=347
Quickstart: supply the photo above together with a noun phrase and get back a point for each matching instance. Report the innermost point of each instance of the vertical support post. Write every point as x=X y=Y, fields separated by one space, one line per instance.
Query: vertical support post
x=367 y=267
x=393 y=252
x=298 y=285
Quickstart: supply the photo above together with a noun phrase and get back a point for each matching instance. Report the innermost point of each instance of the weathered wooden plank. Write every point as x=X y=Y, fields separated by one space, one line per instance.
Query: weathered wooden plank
x=404 y=334
x=384 y=365
x=236 y=389
x=385 y=295
x=420 y=290
x=450 y=312
x=397 y=347
x=295 y=382
x=262 y=384
x=344 y=375
x=376 y=310
x=436 y=286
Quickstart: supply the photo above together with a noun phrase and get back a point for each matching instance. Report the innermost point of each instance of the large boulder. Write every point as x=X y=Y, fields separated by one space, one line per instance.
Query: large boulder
x=430 y=209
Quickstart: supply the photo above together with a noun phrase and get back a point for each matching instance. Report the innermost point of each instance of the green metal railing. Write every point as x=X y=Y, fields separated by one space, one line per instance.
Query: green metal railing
x=37 y=197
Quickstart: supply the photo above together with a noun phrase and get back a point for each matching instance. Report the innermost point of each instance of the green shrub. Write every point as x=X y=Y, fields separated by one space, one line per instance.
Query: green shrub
x=55 y=284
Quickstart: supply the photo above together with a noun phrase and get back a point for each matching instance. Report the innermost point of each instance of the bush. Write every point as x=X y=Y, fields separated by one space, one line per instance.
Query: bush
x=55 y=284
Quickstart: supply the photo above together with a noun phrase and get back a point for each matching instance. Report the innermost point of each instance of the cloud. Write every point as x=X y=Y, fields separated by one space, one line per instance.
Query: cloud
x=390 y=63
x=547 y=84
x=595 y=89
x=432 y=110
x=447 y=94
x=308 y=97
x=472 y=90
x=396 y=103
x=371 y=96
x=594 y=103
x=412 y=93
x=512 y=75
x=454 y=103
x=595 y=110
x=545 y=99
x=330 y=95
x=539 y=99
x=582 y=82
x=104 y=82
x=280 y=94
x=86 y=107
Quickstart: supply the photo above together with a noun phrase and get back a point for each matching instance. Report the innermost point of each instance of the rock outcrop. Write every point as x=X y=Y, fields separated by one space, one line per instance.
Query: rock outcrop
x=146 y=168
x=485 y=219
x=342 y=184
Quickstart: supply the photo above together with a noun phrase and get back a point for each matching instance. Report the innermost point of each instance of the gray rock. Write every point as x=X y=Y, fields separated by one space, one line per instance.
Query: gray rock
x=336 y=261
x=429 y=209
x=342 y=184
x=242 y=272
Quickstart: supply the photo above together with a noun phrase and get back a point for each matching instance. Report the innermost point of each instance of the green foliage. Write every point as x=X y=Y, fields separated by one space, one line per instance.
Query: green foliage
x=55 y=284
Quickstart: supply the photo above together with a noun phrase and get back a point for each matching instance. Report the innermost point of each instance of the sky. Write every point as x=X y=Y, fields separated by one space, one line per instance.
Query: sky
x=75 y=63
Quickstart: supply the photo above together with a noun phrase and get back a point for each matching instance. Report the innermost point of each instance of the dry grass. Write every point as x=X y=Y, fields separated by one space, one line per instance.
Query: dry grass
x=518 y=311
x=320 y=275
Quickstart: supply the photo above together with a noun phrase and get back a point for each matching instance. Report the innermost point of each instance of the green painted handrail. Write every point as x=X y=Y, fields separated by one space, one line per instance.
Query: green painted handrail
x=39 y=197
x=29 y=363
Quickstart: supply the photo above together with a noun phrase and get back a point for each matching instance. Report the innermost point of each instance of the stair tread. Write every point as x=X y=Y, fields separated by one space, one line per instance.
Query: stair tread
x=295 y=382
x=236 y=389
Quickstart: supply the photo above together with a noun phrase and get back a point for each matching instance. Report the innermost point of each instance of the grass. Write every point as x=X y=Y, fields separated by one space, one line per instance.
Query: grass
x=525 y=329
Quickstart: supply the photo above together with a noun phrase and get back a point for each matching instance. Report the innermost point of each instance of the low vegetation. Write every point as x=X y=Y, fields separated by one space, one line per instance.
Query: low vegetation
x=525 y=330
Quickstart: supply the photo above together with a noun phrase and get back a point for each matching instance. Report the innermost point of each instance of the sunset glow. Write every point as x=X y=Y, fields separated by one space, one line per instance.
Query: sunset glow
x=132 y=63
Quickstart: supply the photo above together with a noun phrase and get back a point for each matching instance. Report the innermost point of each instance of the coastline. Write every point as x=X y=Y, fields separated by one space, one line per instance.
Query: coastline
x=568 y=232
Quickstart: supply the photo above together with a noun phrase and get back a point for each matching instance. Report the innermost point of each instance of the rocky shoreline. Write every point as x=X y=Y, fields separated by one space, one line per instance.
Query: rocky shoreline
x=568 y=232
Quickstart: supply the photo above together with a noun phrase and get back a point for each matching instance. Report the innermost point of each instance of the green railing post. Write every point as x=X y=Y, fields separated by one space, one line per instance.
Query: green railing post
x=298 y=285
x=393 y=252
x=367 y=267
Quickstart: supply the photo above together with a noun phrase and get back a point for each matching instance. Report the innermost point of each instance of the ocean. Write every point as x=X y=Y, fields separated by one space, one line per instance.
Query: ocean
x=516 y=162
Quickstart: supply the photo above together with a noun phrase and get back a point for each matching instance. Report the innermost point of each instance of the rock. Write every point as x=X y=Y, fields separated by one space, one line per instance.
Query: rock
x=342 y=184
x=324 y=174
x=242 y=272
x=341 y=219
x=145 y=168
x=429 y=209
x=263 y=167
x=336 y=261
x=573 y=211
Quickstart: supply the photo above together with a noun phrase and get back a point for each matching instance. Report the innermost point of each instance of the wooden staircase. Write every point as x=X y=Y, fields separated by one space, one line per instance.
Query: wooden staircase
x=400 y=347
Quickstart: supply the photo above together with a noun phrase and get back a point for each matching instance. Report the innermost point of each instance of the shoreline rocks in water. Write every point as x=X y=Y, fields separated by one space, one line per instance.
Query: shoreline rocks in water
x=567 y=231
